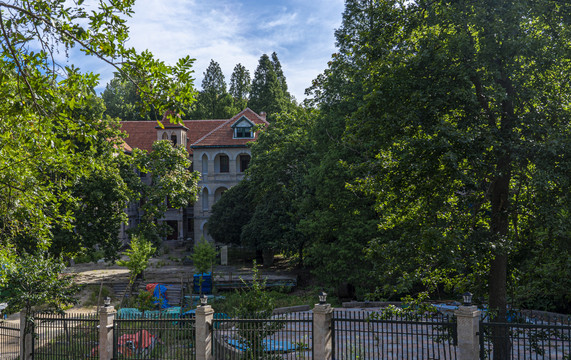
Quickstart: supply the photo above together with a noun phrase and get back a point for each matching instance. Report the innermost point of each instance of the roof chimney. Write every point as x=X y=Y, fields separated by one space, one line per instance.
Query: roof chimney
x=263 y=115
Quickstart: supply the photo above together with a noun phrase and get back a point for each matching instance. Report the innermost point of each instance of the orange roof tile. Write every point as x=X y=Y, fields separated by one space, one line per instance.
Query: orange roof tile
x=223 y=135
x=141 y=134
x=200 y=133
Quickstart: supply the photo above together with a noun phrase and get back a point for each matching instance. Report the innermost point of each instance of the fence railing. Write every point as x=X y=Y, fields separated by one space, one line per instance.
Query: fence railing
x=367 y=335
x=526 y=336
x=156 y=337
x=66 y=336
x=287 y=336
x=322 y=333
x=9 y=341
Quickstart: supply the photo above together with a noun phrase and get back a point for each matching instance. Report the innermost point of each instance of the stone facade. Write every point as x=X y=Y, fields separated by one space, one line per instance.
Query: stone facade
x=218 y=149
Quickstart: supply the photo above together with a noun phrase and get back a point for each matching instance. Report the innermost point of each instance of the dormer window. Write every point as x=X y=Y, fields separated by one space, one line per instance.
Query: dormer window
x=243 y=129
x=243 y=132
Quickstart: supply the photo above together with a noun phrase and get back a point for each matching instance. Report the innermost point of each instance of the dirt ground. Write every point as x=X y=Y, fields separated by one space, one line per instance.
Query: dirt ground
x=170 y=267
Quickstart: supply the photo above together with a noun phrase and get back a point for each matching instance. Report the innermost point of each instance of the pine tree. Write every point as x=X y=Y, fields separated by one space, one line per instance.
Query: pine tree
x=213 y=102
x=280 y=74
x=214 y=79
x=240 y=86
x=267 y=93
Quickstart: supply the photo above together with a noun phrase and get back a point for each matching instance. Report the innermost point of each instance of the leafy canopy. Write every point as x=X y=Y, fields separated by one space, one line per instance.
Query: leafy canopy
x=54 y=142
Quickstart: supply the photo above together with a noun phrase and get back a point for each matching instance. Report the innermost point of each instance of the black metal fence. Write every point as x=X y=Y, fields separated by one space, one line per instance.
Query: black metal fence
x=284 y=336
x=360 y=334
x=9 y=341
x=163 y=336
x=526 y=335
x=67 y=336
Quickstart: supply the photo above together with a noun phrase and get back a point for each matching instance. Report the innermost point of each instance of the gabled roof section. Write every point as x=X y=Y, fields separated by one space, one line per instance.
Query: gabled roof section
x=242 y=119
x=200 y=133
x=223 y=135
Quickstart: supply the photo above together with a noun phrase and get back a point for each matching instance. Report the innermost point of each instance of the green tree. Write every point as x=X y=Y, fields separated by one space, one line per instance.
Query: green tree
x=52 y=134
x=240 y=86
x=280 y=75
x=48 y=127
x=256 y=304
x=231 y=213
x=123 y=101
x=171 y=178
x=214 y=102
x=35 y=282
x=463 y=127
x=280 y=161
x=98 y=213
x=267 y=91
x=139 y=253
x=203 y=257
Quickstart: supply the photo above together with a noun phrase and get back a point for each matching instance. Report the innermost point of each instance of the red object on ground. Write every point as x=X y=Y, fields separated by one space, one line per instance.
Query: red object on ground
x=140 y=343
x=151 y=287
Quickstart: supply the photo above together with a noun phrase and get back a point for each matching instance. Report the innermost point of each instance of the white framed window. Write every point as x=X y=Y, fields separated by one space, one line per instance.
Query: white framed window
x=243 y=129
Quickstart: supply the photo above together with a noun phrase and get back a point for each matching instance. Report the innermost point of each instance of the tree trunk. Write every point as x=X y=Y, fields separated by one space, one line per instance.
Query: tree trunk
x=500 y=193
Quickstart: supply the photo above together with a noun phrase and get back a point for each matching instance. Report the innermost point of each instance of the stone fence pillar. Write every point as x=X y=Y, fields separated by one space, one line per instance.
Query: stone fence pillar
x=322 y=339
x=203 y=326
x=106 y=317
x=468 y=320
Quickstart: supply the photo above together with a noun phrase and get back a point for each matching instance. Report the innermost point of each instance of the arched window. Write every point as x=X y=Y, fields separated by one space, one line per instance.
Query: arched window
x=165 y=136
x=244 y=162
x=173 y=139
x=221 y=163
x=224 y=164
x=204 y=164
x=205 y=199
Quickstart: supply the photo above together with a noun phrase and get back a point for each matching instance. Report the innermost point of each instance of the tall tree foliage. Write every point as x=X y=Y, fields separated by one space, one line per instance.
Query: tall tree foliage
x=280 y=75
x=240 y=86
x=340 y=226
x=214 y=102
x=260 y=212
x=276 y=173
x=465 y=127
x=122 y=100
x=267 y=90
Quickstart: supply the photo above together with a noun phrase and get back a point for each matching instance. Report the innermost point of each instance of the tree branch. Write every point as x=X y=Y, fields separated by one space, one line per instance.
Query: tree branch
x=66 y=33
x=15 y=57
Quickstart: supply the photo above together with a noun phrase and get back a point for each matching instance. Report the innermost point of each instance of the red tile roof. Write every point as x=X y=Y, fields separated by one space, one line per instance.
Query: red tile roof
x=200 y=133
x=140 y=134
x=223 y=135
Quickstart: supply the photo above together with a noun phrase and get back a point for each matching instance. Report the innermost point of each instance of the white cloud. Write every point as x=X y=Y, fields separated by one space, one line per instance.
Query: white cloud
x=285 y=19
x=232 y=32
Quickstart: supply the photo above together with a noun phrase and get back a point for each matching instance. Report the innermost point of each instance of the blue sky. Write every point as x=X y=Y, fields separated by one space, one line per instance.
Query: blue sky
x=235 y=31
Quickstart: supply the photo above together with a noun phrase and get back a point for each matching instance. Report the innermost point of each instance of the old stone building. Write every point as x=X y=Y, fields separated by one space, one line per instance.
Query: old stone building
x=218 y=149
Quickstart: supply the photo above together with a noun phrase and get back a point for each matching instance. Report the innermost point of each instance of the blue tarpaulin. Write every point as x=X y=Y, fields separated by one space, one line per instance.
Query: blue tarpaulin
x=159 y=292
x=269 y=345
